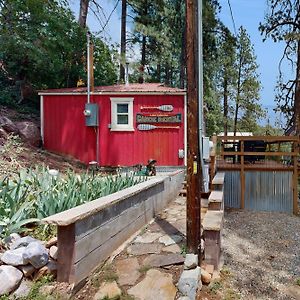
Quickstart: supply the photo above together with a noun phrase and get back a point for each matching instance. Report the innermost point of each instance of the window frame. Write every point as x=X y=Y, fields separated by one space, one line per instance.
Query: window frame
x=114 y=114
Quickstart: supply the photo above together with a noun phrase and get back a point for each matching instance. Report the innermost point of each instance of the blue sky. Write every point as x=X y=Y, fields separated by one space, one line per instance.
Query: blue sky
x=247 y=13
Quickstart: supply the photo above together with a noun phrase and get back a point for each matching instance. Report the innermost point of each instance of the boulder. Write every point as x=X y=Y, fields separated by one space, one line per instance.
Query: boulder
x=8 y=125
x=191 y=261
x=205 y=276
x=23 y=290
x=29 y=132
x=27 y=270
x=50 y=268
x=9 y=240
x=10 y=278
x=14 y=257
x=36 y=254
x=53 y=252
x=22 y=242
x=189 y=282
x=51 y=242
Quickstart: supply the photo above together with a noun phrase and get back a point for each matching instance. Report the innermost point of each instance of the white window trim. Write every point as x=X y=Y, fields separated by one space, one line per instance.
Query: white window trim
x=121 y=127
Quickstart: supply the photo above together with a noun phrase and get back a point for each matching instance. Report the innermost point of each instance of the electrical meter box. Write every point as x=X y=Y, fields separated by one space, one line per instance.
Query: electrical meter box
x=91 y=114
x=205 y=147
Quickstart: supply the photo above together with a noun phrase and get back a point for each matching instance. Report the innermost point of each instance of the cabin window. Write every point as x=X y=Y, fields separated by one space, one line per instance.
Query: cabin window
x=121 y=114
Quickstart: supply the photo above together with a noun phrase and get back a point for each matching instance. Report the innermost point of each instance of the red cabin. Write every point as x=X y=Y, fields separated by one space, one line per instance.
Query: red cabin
x=122 y=125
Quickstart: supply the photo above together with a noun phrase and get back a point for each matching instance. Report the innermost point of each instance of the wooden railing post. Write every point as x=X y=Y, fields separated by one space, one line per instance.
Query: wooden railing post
x=242 y=176
x=295 y=179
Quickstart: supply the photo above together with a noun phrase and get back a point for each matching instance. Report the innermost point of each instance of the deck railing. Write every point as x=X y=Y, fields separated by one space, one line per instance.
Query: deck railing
x=259 y=153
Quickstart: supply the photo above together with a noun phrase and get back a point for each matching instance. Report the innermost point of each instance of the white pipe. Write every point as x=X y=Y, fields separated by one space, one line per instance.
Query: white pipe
x=200 y=85
x=42 y=117
x=88 y=68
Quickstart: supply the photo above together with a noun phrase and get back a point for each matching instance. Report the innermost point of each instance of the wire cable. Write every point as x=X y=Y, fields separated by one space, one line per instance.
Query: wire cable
x=232 y=18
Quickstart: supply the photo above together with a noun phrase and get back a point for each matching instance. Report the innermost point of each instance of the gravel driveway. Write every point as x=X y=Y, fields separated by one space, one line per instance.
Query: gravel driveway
x=262 y=253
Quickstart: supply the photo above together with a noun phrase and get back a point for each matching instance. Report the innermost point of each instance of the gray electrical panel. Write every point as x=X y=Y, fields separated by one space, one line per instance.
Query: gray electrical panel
x=91 y=114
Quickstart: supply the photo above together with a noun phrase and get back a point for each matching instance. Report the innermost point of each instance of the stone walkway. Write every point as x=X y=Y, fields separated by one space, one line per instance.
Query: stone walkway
x=150 y=266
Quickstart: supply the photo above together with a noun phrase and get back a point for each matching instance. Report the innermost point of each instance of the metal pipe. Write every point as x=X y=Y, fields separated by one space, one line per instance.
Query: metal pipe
x=88 y=68
x=200 y=86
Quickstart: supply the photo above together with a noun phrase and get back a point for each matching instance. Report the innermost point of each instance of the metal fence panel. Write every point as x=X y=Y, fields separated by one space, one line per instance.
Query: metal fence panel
x=232 y=189
x=269 y=191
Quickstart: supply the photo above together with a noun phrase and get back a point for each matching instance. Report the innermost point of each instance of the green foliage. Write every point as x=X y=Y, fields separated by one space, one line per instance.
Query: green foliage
x=36 y=194
x=42 y=46
x=215 y=286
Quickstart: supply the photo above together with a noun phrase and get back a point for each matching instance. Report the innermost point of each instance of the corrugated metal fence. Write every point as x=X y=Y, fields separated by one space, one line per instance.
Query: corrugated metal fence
x=264 y=190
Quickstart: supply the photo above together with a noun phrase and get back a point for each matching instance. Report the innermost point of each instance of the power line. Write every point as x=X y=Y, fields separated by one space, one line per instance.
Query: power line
x=232 y=18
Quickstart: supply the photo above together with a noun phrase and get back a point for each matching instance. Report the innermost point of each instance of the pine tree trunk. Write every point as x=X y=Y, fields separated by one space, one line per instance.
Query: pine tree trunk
x=167 y=78
x=182 y=58
x=297 y=95
x=158 y=72
x=84 y=7
x=143 y=60
x=123 y=40
x=225 y=88
x=237 y=103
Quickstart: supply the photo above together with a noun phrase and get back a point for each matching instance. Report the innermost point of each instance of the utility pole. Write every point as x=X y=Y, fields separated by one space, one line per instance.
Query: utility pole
x=194 y=172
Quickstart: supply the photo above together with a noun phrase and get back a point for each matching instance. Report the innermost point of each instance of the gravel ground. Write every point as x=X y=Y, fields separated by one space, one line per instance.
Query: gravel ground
x=262 y=253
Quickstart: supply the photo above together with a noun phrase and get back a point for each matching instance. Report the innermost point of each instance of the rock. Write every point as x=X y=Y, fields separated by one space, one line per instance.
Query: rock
x=53 y=252
x=168 y=240
x=22 y=242
x=9 y=240
x=3 y=134
x=155 y=286
x=205 y=276
x=51 y=242
x=148 y=237
x=210 y=269
x=27 y=270
x=10 y=278
x=8 y=125
x=142 y=249
x=191 y=261
x=14 y=257
x=29 y=132
x=216 y=276
x=50 y=268
x=108 y=290
x=23 y=290
x=172 y=248
x=36 y=254
x=189 y=282
x=128 y=271
x=161 y=260
x=184 y=298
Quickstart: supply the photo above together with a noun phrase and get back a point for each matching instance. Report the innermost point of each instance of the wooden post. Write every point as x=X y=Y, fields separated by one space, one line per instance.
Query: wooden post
x=295 y=179
x=66 y=253
x=194 y=178
x=242 y=176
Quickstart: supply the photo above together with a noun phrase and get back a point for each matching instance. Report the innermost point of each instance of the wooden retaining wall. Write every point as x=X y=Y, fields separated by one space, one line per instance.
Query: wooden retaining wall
x=88 y=234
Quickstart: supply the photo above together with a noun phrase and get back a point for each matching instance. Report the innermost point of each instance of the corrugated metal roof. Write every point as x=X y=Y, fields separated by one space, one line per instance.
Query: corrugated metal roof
x=119 y=88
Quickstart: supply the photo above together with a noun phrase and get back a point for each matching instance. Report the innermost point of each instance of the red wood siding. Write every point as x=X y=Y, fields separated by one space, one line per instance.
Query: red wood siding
x=65 y=131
